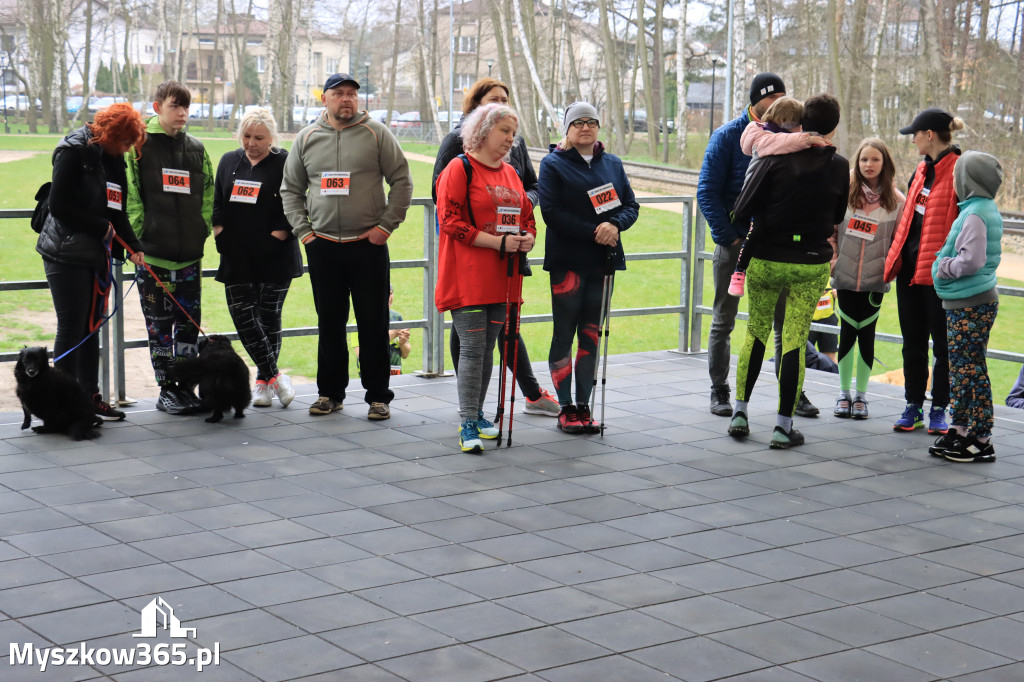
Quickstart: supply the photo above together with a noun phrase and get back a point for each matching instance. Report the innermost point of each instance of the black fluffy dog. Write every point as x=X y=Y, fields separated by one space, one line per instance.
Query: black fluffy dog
x=222 y=376
x=53 y=396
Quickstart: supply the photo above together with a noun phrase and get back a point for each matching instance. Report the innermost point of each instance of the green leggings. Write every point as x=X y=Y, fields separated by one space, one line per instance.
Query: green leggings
x=765 y=282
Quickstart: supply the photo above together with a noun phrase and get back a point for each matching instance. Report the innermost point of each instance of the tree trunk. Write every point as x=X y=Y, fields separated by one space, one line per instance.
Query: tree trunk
x=612 y=70
x=530 y=64
x=394 y=61
x=833 y=23
x=876 y=56
x=87 y=59
x=934 y=84
x=645 y=72
x=681 y=62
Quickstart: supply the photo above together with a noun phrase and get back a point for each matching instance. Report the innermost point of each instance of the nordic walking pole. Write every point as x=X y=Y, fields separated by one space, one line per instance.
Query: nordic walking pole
x=609 y=285
x=520 y=256
x=605 y=294
x=502 y=383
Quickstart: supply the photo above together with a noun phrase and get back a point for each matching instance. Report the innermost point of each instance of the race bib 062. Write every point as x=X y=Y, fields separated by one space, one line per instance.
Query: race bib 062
x=245 y=191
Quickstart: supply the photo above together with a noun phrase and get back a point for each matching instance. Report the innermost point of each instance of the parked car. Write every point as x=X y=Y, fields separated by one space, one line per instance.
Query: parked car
x=18 y=104
x=303 y=116
x=382 y=115
x=408 y=121
x=144 y=108
x=199 y=111
x=97 y=103
x=640 y=122
x=73 y=104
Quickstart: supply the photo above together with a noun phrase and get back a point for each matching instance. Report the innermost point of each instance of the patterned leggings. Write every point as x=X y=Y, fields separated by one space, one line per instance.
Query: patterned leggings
x=170 y=333
x=858 y=313
x=765 y=281
x=967 y=331
x=256 y=311
x=576 y=314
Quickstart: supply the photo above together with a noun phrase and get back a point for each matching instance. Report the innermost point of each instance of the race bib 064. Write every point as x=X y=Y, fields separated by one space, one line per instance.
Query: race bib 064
x=176 y=181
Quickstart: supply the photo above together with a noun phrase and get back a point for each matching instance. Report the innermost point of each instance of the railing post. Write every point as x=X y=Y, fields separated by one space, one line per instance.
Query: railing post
x=684 y=278
x=698 y=283
x=117 y=352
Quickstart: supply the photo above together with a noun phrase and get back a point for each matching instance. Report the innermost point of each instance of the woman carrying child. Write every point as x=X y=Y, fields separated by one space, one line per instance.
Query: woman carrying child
x=862 y=242
x=964 y=272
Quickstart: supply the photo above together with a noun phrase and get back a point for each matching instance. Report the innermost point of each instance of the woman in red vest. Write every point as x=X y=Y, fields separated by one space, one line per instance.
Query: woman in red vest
x=928 y=213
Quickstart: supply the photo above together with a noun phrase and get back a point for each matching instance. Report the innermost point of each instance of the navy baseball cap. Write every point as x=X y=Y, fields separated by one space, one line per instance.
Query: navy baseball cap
x=336 y=79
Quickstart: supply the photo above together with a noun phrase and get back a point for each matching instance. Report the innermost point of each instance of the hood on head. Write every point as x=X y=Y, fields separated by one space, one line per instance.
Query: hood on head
x=977 y=174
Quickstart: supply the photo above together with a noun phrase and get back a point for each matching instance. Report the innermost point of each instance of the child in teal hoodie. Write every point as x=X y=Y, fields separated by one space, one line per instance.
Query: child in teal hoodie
x=965 y=279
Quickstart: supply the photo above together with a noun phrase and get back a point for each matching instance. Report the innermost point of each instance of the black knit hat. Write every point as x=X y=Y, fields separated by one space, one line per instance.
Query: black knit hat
x=932 y=118
x=765 y=84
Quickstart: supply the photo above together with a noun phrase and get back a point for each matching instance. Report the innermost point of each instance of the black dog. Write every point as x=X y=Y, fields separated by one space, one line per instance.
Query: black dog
x=222 y=376
x=53 y=396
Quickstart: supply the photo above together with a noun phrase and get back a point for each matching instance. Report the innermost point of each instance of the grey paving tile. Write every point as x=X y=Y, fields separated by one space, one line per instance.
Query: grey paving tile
x=73 y=493
x=1006 y=515
x=955 y=501
x=278 y=588
x=1010 y=545
x=467 y=528
x=721 y=514
x=47 y=597
x=1006 y=673
x=377 y=494
x=978 y=560
x=500 y=581
x=648 y=556
x=999 y=635
x=330 y=613
x=987 y=594
x=906 y=539
x=480 y=620
x=143 y=580
x=784 y=505
x=519 y=547
x=575 y=568
x=314 y=553
x=193 y=603
x=937 y=655
x=849 y=586
x=603 y=508
x=716 y=544
x=387 y=639
x=458 y=663
x=393 y=540
x=46 y=542
x=307 y=504
x=542 y=648
x=705 y=614
x=780 y=564
x=444 y=560
x=778 y=642
x=345 y=522
x=637 y=590
x=780 y=532
x=857 y=665
x=418 y=511
x=291 y=658
x=362 y=673
x=242 y=629
x=710 y=577
x=779 y=600
x=590 y=536
x=147 y=484
x=615 y=668
x=925 y=611
x=98 y=560
x=855 y=626
x=147 y=528
x=364 y=573
x=559 y=605
x=843 y=521
x=187 y=546
x=230 y=566
x=916 y=573
x=540 y=517
x=703 y=659
x=33 y=520
x=73 y=625
x=417 y=596
x=840 y=494
x=27 y=571
x=269 y=533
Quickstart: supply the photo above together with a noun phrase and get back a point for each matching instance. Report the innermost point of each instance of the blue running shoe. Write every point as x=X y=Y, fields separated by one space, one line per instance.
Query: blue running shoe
x=937 y=421
x=485 y=427
x=913 y=418
x=469 y=437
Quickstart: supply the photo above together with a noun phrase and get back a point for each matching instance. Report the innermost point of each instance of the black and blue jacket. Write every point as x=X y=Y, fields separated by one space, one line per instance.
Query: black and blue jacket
x=721 y=179
x=565 y=179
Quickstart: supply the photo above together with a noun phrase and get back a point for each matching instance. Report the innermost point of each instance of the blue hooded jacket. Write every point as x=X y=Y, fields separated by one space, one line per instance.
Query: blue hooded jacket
x=721 y=179
x=564 y=180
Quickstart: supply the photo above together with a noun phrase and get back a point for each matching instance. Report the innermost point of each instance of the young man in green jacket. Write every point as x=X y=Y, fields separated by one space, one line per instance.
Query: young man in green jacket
x=170 y=206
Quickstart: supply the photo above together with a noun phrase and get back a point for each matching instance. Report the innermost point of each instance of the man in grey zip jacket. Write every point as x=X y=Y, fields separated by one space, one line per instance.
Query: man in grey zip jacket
x=333 y=196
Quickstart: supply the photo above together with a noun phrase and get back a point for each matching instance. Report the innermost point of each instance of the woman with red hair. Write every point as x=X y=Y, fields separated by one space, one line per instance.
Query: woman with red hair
x=86 y=210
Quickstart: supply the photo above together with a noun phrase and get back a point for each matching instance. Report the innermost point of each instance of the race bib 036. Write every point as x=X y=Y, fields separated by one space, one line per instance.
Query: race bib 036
x=508 y=219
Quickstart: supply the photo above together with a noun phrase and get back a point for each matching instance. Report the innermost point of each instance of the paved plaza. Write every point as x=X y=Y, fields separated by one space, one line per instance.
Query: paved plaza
x=335 y=548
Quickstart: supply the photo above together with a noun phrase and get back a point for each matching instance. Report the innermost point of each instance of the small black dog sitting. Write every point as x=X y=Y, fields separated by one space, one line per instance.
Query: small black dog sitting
x=53 y=396
x=222 y=376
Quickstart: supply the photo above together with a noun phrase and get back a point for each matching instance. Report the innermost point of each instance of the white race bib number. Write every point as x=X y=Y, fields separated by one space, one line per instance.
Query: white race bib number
x=862 y=227
x=604 y=198
x=115 y=198
x=922 y=200
x=176 y=181
x=335 y=183
x=245 y=191
x=508 y=219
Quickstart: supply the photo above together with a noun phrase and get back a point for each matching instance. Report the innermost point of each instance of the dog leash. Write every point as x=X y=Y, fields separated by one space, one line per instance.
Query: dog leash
x=162 y=285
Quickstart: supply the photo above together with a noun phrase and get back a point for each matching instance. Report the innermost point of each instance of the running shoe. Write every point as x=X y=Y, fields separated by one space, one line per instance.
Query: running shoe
x=569 y=420
x=736 y=284
x=486 y=428
x=590 y=425
x=912 y=418
x=469 y=437
x=104 y=411
x=281 y=385
x=262 y=395
x=842 y=408
x=545 y=405
x=937 y=420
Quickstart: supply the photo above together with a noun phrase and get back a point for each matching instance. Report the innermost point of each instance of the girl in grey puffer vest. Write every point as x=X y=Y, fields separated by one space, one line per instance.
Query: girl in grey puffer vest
x=862 y=241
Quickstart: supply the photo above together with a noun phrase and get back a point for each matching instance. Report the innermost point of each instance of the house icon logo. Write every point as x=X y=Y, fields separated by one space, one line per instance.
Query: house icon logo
x=159 y=613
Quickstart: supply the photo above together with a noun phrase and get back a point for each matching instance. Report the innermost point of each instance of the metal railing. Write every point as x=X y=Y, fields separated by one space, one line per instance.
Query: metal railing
x=113 y=342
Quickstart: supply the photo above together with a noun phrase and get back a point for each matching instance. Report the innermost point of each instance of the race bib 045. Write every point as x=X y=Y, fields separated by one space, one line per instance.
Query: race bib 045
x=862 y=227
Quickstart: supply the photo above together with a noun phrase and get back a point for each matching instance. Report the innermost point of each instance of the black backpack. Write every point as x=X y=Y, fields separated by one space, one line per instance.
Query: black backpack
x=42 y=210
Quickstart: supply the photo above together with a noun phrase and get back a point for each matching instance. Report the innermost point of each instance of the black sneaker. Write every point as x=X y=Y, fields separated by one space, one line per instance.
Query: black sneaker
x=195 y=403
x=104 y=411
x=720 y=405
x=944 y=442
x=970 y=449
x=170 y=401
x=804 y=408
x=783 y=441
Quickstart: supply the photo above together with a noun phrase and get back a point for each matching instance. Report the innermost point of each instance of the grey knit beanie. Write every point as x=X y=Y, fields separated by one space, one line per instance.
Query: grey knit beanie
x=576 y=111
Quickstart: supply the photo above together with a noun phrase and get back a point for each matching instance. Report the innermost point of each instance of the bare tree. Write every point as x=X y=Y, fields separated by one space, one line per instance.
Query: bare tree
x=682 y=50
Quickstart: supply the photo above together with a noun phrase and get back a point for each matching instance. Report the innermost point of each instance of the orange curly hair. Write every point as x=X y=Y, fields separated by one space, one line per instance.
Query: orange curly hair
x=117 y=124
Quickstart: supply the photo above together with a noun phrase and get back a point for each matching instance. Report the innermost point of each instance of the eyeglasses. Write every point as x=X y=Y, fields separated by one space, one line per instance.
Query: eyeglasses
x=579 y=123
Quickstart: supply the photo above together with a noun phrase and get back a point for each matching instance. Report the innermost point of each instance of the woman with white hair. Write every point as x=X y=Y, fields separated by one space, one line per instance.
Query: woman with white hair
x=259 y=255
x=485 y=217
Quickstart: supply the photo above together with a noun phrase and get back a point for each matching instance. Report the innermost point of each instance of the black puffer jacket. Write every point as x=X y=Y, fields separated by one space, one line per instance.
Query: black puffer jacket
x=796 y=200
x=79 y=212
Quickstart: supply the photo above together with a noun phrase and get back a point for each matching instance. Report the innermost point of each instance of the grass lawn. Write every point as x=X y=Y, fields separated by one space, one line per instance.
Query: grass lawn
x=644 y=284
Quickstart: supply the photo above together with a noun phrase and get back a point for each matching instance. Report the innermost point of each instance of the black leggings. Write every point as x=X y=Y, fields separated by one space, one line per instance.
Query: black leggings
x=921 y=315
x=576 y=313
x=71 y=287
x=858 y=314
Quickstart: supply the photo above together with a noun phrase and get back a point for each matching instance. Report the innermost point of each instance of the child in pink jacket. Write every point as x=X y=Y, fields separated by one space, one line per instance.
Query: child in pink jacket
x=764 y=139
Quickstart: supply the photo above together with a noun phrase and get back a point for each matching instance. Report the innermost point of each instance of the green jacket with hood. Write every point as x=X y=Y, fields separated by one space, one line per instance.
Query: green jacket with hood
x=172 y=227
x=366 y=150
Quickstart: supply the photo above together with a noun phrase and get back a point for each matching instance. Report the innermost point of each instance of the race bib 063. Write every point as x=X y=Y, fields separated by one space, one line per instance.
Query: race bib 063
x=335 y=183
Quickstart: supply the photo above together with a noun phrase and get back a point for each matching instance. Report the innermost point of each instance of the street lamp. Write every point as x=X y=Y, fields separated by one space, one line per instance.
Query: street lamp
x=490 y=64
x=367 y=65
x=711 y=117
x=5 y=60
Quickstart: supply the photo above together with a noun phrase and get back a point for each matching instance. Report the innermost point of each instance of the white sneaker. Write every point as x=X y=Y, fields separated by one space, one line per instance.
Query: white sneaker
x=262 y=394
x=546 y=405
x=282 y=386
